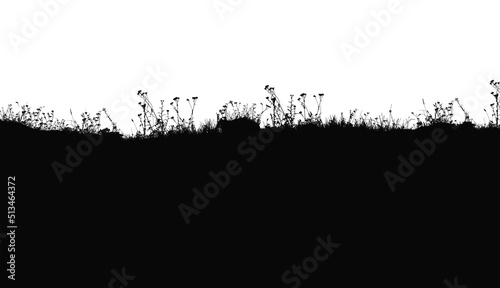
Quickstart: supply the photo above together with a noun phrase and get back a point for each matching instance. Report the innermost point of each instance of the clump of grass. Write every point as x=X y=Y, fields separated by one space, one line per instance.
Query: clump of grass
x=364 y=120
x=385 y=123
x=37 y=119
x=47 y=121
x=342 y=121
x=391 y=123
x=206 y=127
x=281 y=117
x=441 y=115
x=278 y=115
x=495 y=107
x=233 y=110
x=308 y=116
x=181 y=124
x=152 y=124
x=91 y=124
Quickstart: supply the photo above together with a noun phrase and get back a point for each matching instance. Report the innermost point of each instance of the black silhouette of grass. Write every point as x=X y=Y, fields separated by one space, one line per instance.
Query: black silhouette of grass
x=316 y=176
x=296 y=113
x=242 y=126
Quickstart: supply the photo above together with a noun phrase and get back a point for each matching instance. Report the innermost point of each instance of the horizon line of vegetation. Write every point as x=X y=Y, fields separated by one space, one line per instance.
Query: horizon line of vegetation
x=153 y=124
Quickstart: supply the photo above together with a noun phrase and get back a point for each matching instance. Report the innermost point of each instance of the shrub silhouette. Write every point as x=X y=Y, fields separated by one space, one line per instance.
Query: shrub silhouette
x=238 y=127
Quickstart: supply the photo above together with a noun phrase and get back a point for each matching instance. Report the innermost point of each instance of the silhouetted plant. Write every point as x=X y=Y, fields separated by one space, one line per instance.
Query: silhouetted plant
x=495 y=106
x=278 y=115
x=91 y=124
x=365 y=121
x=441 y=114
x=291 y=113
x=342 y=121
x=309 y=117
x=467 y=119
x=115 y=128
x=180 y=123
x=281 y=118
x=152 y=125
x=207 y=127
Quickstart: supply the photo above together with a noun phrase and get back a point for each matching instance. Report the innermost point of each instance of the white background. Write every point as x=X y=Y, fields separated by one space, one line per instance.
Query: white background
x=92 y=54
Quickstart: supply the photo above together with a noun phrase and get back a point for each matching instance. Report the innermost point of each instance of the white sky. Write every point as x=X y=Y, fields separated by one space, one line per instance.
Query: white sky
x=93 y=54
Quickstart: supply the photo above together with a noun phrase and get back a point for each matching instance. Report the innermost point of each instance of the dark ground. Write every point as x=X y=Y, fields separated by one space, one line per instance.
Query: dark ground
x=119 y=208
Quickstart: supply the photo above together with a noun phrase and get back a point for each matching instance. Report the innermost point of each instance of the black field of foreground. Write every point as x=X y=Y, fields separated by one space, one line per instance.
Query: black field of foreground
x=282 y=207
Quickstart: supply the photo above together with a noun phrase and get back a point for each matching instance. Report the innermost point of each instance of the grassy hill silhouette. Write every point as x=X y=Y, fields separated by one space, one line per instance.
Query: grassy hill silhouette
x=409 y=207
